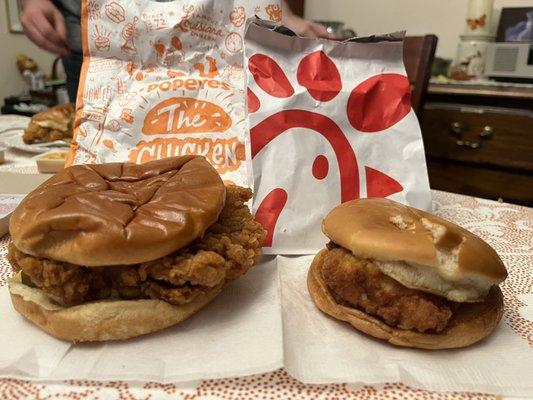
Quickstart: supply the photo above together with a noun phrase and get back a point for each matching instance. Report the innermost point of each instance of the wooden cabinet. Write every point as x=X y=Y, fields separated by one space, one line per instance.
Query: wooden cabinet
x=480 y=144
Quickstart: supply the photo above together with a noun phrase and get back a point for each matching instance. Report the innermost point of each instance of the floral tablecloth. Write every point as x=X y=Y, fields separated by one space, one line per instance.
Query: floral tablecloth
x=508 y=228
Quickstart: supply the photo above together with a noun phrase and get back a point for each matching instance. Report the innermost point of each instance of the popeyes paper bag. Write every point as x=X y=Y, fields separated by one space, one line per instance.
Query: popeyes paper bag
x=161 y=79
x=330 y=122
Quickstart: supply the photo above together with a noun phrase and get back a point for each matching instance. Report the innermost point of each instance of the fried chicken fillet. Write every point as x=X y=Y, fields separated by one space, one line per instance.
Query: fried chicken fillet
x=360 y=284
x=50 y=125
x=227 y=250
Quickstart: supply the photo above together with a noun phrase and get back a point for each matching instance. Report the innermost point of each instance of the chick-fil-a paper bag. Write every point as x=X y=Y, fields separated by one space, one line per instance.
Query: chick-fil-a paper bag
x=329 y=122
x=165 y=78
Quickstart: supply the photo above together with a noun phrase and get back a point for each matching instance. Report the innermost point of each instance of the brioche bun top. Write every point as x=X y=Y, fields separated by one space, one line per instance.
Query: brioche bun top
x=119 y=213
x=418 y=249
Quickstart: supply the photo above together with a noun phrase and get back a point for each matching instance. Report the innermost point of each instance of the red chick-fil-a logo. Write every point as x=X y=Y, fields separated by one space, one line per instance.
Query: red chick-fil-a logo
x=373 y=106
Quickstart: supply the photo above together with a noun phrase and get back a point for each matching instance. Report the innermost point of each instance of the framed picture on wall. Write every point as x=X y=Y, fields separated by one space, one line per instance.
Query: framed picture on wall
x=516 y=25
x=13 y=11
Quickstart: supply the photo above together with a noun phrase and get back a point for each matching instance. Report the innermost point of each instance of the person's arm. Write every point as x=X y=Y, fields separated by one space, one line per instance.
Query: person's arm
x=44 y=25
x=302 y=26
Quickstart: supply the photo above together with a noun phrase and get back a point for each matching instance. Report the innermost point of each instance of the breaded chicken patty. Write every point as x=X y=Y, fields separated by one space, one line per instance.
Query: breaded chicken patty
x=359 y=283
x=226 y=251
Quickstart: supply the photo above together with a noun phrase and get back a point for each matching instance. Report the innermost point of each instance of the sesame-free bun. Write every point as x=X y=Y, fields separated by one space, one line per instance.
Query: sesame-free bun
x=119 y=213
x=101 y=320
x=418 y=249
x=471 y=322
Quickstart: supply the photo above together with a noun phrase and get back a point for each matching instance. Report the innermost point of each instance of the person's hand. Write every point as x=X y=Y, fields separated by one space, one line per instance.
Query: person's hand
x=44 y=25
x=303 y=27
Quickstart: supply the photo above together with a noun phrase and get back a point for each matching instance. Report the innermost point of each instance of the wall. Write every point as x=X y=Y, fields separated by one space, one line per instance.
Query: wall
x=445 y=18
x=10 y=45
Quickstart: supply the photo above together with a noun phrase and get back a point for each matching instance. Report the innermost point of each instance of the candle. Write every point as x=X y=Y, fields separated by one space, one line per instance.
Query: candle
x=478 y=17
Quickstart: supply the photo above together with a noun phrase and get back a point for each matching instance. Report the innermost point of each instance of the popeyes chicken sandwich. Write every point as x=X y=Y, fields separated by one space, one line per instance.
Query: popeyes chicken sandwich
x=408 y=277
x=114 y=251
x=50 y=125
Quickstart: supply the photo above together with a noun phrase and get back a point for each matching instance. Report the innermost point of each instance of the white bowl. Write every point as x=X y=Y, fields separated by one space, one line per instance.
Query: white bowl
x=51 y=162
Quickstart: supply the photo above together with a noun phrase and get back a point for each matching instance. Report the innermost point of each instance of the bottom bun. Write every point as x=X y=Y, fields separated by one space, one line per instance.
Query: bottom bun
x=100 y=320
x=471 y=323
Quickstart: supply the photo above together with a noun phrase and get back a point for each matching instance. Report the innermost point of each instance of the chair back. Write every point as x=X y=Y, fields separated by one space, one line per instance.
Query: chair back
x=418 y=55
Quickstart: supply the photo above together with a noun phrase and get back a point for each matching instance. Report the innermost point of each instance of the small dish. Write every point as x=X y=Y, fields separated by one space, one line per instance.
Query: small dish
x=51 y=161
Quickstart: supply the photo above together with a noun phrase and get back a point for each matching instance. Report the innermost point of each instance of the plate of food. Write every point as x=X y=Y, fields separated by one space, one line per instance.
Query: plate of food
x=47 y=130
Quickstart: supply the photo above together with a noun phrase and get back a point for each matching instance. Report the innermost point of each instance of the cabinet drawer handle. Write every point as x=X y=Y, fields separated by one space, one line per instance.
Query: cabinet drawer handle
x=468 y=144
x=456 y=127
x=487 y=132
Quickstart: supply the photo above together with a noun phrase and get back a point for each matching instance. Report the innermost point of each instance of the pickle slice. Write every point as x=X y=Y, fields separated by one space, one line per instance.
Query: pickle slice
x=26 y=280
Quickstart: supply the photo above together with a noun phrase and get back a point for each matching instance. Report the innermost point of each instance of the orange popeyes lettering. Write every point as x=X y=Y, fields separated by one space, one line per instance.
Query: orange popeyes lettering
x=188 y=84
x=185 y=115
x=224 y=154
x=191 y=84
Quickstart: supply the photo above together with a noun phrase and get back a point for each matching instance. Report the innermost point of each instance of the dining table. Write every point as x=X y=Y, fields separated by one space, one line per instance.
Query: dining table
x=506 y=227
